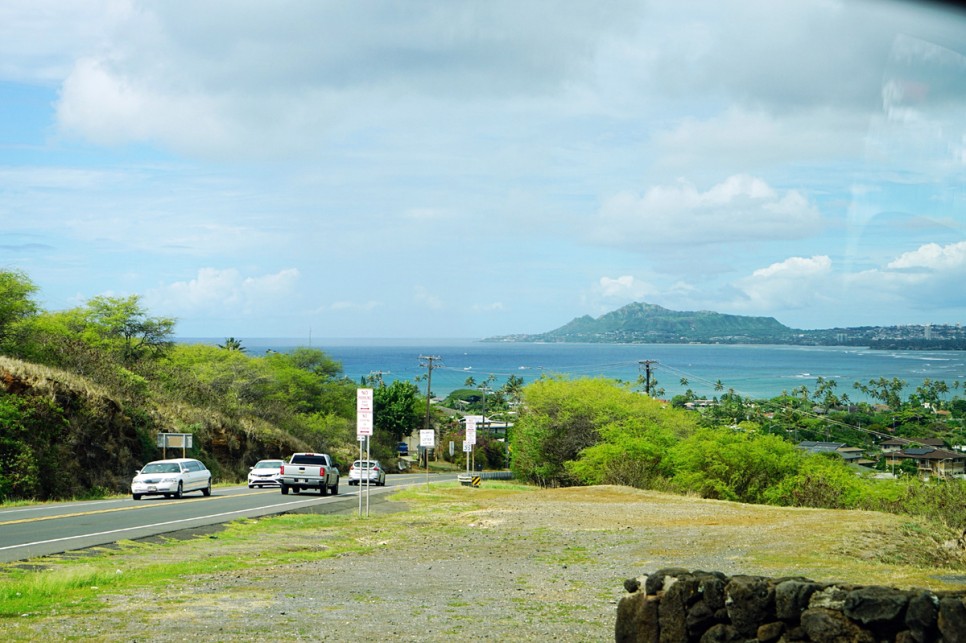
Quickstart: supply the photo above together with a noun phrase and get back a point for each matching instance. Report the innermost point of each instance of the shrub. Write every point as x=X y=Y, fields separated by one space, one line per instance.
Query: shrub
x=731 y=465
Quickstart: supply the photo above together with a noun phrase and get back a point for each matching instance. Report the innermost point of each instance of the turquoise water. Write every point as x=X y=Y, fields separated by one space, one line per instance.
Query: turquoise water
x=752 y=371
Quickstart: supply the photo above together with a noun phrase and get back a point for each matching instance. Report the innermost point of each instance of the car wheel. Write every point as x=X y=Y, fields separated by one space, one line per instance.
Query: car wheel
x=284 y=488
x=251 y=486
x=136 y=496
x=180 y=492
x=207 y=490
x=323 y=489
x=296 y=489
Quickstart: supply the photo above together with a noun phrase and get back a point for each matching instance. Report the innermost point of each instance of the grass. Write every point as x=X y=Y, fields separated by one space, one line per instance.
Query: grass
x=68 y=585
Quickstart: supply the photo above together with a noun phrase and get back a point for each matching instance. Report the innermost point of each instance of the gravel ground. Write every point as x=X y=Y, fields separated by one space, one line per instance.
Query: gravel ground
x=532 y=566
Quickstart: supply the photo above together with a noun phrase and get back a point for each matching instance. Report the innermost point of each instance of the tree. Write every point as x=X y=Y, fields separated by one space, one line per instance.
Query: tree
x=885 y=390
x=16 y=302
x=232 y=344
x=397 y=409
x=513 y=388
x=121 y=325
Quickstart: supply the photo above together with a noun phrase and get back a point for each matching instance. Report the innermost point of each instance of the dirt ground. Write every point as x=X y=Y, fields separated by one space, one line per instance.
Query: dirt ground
x=535 y=566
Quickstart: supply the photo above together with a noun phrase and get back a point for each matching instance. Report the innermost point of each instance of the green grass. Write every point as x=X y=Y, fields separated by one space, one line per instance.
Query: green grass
x=74 y=585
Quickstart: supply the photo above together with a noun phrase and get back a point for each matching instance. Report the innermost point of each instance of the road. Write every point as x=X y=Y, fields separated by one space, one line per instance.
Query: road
x=41 y=530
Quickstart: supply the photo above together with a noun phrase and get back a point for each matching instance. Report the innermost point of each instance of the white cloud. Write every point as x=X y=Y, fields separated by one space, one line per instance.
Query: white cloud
x=625 y=287
x=929 y=277
x=110 y=109
x=40 y=39
x=796 y=282
x=740 y=208
x=932 y=257
x=223 y=292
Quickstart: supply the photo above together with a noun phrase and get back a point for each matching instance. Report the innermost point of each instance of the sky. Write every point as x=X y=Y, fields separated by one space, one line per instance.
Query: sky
x=467 y=169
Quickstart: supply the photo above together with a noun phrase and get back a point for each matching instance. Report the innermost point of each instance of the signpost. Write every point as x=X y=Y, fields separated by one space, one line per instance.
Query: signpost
x=175 y=441
x=471 y=421
x=364 y=424
x=427 y=441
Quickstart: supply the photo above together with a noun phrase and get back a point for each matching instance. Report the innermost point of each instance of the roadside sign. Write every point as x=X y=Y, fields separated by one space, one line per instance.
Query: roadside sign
x=471 y=433
x=467 y=446
x=364 y=413
x=427 y=438
x=364 y=399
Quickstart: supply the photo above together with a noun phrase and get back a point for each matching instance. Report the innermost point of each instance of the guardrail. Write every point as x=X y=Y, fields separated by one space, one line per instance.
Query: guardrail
x=474 y=479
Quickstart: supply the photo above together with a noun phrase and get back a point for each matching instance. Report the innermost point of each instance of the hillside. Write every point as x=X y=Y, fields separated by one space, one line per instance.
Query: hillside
x=652 y=324
x=67 y=436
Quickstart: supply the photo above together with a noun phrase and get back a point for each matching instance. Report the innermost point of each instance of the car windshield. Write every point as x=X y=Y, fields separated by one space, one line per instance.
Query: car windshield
x=364 y=464
x=161 y=467
x=269 y=464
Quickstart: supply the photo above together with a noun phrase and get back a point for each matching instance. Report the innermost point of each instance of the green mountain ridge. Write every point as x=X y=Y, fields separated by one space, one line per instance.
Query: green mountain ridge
x=643 y=323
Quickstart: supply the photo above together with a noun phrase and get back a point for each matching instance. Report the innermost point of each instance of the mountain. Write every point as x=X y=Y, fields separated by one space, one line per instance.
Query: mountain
x=642 y=323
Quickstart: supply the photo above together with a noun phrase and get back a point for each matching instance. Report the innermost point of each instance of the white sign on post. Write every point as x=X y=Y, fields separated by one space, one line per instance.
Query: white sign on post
x=467 y=446
x=427 y=438
x=364 y=412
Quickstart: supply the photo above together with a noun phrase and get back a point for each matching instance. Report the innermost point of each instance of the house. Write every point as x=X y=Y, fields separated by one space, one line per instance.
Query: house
x=852 y=455
x=893 y=445
x=931 y=461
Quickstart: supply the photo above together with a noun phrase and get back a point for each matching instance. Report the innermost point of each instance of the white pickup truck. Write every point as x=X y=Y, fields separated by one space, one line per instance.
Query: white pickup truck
x=309 y=471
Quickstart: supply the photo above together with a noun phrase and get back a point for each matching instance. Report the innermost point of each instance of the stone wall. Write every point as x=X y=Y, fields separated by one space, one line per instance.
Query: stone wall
x=677 y=605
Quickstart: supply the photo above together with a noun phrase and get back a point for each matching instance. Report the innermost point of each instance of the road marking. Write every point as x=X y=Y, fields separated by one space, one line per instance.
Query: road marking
x=124 y=508
x=157 y=524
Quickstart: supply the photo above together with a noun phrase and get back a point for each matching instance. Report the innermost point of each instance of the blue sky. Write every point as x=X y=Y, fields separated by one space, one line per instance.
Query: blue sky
x=469 y=169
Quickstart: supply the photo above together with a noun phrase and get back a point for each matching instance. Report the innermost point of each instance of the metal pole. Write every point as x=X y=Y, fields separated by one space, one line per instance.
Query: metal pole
x=360 y=488
x=368 y=473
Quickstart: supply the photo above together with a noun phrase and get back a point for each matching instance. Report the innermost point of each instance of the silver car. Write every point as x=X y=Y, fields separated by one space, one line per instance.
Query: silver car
x=371 y=469
x=171 y=478
x=265 y=472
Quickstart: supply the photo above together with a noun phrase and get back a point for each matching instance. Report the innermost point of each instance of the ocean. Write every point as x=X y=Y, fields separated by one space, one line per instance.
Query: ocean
x=751 y=371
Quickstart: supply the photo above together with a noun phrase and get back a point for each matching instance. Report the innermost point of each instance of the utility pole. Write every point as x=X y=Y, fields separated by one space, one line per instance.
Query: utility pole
x=646 y=363
x=428 y=363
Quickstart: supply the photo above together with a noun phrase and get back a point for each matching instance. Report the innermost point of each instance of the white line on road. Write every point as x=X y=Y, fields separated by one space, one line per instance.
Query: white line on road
x=157 y=524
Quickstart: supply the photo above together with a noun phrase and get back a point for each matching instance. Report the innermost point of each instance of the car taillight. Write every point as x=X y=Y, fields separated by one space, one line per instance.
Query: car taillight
x=321 y=471
x=375 y=468
x=281 y=470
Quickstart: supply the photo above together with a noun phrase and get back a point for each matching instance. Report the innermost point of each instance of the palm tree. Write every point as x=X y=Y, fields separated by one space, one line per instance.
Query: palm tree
x=232 y=344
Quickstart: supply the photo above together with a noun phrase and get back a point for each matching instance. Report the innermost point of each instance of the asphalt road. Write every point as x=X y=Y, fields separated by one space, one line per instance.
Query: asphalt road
x=45 y=529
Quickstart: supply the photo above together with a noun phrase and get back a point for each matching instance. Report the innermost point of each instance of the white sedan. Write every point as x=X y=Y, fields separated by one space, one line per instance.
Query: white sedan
x=371 y=469
x=265 y=472
x=171 y=478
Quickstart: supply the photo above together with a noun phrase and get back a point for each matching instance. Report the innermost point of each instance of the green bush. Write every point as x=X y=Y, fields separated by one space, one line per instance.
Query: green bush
x=562 y=436
x=822 y=481
x=732 y=465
